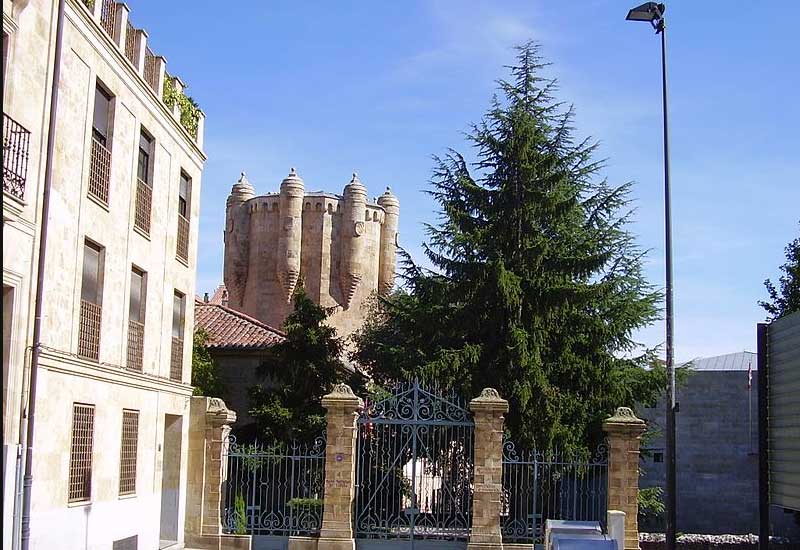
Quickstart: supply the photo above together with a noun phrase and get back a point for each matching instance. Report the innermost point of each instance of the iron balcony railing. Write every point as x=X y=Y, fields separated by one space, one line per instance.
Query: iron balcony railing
x=182 y=251
x=150 y=72
x=108 y=15
x=100 y=171
x=131 y=44
x=89 y=330
x=16 y=140
x=144 y=202
x=135 y=345
x=176 y=360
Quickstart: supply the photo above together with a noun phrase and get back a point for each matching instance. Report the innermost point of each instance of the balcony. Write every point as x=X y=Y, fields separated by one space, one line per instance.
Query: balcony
x=89 y=330
x=182 y=252
x=176 y=360
x=100 y=172
x=135 y=345
x=16 y=140
x=144 y=201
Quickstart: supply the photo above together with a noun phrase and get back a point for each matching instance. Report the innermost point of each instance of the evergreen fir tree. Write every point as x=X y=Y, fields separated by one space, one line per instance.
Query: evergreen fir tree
x=296 y=373
x=538 y=285
x=785 y=300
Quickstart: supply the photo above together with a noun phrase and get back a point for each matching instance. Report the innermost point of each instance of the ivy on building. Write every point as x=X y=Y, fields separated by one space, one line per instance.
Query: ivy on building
x=190 y=110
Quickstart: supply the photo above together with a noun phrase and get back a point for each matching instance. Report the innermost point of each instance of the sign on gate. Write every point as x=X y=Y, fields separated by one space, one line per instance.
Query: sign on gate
x=414 y=468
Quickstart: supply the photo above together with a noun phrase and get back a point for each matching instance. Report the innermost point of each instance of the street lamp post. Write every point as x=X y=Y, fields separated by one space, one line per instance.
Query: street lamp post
x=653 y=13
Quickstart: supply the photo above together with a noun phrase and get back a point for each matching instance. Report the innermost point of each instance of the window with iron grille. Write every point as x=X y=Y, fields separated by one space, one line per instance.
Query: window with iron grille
x=80 y=458
x=128 y=451
x=100 y=166
x=137 y=299
x=178 y=319
x=144 y=183
x=91 y=301
x=184 y=202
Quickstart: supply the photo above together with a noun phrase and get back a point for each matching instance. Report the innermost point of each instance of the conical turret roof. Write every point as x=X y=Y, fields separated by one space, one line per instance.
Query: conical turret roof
x=242 y=190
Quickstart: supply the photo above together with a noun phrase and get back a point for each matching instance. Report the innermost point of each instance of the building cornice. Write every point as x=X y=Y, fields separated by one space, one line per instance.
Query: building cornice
x=83 y=21
x=68 y=363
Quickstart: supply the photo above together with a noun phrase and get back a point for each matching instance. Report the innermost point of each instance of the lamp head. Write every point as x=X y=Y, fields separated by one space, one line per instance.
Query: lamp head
x=649 y=12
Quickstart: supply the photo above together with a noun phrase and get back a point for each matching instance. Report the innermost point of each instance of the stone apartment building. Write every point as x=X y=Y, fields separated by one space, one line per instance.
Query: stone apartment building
x=112 y=397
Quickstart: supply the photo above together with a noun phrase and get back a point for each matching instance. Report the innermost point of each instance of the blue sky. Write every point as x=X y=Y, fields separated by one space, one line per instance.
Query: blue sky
x=380 y=87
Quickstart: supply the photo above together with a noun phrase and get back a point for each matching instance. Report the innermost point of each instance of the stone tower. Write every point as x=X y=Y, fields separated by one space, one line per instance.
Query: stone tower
x=342 y=247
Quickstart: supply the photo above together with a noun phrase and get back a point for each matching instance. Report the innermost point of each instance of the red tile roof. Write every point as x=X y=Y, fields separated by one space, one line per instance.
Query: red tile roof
x=231 y=329
x=220 y=296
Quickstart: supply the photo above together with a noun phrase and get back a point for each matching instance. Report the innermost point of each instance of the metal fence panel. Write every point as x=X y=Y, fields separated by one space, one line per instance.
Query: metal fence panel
x=274 y=489
x=538 y=486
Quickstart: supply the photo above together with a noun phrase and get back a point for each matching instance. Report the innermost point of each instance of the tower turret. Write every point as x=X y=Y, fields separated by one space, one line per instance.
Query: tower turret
x=237 y=222
x=242 y=191
x=290 y=232
x=353 y=238
x=388 y=244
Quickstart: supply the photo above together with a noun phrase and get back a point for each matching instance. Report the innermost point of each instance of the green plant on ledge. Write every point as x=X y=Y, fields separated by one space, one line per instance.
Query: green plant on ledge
x=190 y=111
x=305 y=503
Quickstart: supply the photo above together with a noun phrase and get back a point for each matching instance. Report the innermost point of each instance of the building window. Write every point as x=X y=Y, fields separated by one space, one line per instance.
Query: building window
x=136 y=313
x=144 y=183
x=184 y=206
x=100 y=168
x=80 y=458
x=128 y=451
x=658 y=457
x=178 y=318
x=91 y=301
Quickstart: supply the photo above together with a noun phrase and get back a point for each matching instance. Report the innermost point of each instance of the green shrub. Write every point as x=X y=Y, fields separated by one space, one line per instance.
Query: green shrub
x=239 y=515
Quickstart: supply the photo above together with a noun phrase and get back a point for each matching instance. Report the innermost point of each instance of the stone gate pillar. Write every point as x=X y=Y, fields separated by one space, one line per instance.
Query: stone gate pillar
x=209 y=426
x=337 y=518
x=488 y=410
x=624 y=431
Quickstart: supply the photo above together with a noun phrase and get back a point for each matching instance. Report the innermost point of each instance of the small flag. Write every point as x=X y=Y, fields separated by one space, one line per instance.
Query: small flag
x=749 y=374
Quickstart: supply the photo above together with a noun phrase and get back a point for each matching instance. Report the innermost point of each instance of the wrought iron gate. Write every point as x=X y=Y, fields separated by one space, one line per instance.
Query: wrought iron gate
x=414 y=467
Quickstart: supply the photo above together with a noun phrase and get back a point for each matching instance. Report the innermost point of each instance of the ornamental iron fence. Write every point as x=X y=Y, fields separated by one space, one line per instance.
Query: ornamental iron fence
x=414 y=473
x=538 y=486
x=274 y=489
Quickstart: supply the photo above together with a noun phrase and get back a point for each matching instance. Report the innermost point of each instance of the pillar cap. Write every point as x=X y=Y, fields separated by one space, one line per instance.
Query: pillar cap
x=342 y=397
x=624 y=419
x=489 y=401
x=217 y=413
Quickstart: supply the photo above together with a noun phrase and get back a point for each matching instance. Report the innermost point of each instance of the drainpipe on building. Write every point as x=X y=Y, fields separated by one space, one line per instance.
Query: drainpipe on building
x=30 y=417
